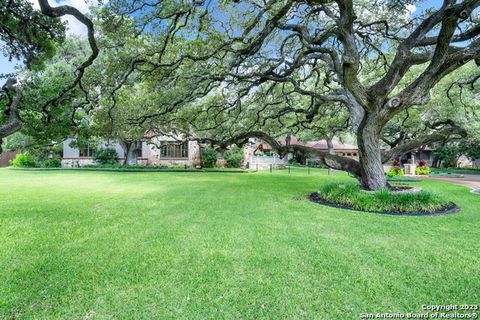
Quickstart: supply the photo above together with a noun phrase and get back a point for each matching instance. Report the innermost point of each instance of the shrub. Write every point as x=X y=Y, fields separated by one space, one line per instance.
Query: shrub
x=350 y=195
x=209 y=157
x=51 y=163
x=295 y=160
x=422 y=171
x=23 y=161
x=105 y=156
x=233 y=158
x=395 y=172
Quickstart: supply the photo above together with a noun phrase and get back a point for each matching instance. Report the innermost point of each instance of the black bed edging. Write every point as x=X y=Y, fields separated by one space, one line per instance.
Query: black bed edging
x=405 y=180
x=129 y=170
x=451 y=209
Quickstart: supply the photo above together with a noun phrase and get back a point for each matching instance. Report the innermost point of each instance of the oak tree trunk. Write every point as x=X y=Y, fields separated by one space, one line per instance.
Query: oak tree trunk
x=372 y=176
x=130 y=150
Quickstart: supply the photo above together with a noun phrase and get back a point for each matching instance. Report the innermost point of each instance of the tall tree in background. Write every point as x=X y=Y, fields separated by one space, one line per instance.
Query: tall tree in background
x=32 y=36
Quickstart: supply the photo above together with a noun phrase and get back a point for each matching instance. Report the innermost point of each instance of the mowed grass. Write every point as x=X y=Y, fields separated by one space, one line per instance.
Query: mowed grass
x=115 y=245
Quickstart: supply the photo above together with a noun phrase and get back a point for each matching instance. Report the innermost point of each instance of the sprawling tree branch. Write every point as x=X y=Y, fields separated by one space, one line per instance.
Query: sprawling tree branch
x=64 y=10
x=12 y=123
x=414 y=144
x=331 y=160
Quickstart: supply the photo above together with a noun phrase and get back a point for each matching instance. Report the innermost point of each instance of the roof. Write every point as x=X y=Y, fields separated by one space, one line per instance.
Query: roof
x=322 y=144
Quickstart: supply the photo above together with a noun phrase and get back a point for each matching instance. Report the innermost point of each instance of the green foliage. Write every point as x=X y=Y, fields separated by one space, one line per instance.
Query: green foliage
x=27 y=34
x=447 y=155
x=471 y=149
x=233 y=158
x=350 y=195
x=51 y=163
x=17 y=142
x=422 y=171
x=23 y=161
x=106 y=156
x=294 y=160
x=395 y=172
x=209 y=157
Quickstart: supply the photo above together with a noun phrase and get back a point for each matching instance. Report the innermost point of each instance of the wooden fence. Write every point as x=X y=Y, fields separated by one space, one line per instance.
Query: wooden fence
x=6 y=157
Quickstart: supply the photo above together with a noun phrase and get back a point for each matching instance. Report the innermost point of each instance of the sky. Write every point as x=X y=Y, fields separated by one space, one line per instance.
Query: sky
x=76 y=28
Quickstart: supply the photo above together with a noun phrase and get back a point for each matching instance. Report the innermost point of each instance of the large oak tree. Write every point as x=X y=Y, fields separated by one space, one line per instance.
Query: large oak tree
x=375 y=58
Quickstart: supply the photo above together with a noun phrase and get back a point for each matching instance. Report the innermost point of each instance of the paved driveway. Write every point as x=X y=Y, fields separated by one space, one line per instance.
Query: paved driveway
x=469 y=180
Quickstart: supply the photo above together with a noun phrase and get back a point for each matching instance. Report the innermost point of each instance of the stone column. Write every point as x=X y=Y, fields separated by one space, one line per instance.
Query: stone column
x=194 y=157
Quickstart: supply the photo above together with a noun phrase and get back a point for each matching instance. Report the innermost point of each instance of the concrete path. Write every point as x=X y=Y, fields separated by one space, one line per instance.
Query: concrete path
x=469 y=180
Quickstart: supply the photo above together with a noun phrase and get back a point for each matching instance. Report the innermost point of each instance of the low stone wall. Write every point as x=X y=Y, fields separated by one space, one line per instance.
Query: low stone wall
x=78 y=162
x=75 y=163
x=153 y=161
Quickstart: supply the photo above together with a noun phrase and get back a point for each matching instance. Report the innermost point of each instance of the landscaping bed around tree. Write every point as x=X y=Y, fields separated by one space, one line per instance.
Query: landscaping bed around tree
x=403 y=179
x=401 y=200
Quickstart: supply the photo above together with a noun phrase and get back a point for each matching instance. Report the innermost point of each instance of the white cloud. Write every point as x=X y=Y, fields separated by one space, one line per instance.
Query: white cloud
x=411 y=8
x=35 y=4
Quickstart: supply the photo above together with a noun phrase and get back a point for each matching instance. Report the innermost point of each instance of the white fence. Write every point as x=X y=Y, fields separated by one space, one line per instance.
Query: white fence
x=264 y=162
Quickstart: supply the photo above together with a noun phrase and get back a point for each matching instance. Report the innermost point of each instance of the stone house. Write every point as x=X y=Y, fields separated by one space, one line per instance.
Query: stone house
x=158 y=151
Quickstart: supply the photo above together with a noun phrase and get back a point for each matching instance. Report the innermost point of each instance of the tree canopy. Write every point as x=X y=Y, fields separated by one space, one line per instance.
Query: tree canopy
x=223 y=71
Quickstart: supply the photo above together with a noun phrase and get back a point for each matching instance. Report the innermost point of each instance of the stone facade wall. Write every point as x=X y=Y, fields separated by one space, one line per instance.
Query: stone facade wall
x=155 y=159
x=80 y=162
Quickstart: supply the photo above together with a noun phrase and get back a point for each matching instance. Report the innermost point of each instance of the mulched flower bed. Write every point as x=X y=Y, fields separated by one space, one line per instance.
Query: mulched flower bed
x=450 y=208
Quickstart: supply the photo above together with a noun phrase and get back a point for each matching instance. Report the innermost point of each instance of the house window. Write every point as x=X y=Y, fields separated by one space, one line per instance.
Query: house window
x=87 y=152
x=174 y=150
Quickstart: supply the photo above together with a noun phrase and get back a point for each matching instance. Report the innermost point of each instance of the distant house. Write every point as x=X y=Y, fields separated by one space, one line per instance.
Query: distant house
x=425 y=154
x=341 y=149
x=160 y=151
x=259 y=154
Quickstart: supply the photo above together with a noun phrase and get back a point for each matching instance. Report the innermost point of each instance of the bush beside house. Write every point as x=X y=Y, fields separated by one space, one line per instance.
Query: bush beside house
x=395 y=170
x=105 y=156
x=23 y=161
x=209 y=157
x=233 y=158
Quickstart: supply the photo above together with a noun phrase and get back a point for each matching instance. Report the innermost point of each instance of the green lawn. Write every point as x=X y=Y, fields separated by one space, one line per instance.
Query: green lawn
x=114 y=245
